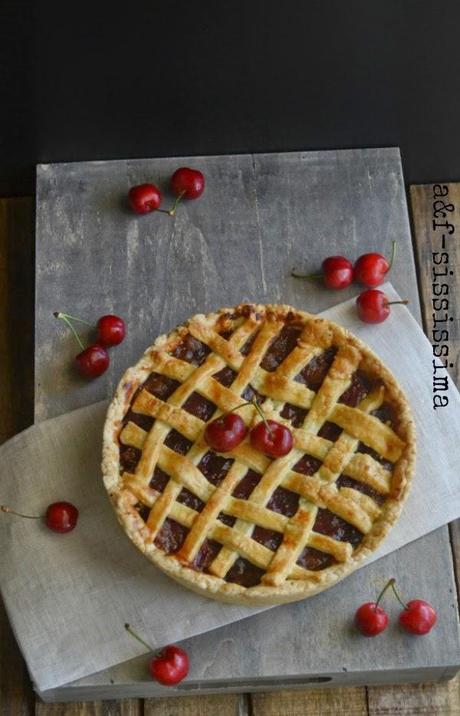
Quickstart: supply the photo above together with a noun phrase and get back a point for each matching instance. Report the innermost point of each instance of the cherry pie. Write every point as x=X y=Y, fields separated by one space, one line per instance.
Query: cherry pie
x=240 y=526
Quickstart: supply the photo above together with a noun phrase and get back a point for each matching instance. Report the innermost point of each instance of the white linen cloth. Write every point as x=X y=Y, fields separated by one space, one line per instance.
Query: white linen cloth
x=68 y=596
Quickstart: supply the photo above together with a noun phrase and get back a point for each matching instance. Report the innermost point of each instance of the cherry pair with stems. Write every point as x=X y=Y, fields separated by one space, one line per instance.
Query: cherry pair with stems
x=94 y=360
x=418 y=617
x=185 y=184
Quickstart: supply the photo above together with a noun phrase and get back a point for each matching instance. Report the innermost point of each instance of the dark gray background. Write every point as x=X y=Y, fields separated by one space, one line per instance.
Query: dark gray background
x=87 y=81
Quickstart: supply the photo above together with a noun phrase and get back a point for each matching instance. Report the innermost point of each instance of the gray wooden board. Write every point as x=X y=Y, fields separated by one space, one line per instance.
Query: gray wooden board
x=260 y=216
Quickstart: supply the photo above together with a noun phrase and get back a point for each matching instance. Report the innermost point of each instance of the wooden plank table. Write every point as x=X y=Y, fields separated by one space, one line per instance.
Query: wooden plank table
x=16 y=232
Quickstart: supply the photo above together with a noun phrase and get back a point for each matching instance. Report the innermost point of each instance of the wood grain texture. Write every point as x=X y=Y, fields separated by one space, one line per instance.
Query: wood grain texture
x=16 y=314
x=314 y=702
x=416 y=699
x=259 y=217
x=16 y=234
x=228 y=705
x=127 y=707
x=429 y=240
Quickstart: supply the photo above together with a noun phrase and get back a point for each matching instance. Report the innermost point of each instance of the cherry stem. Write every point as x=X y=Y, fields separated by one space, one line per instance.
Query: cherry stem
x=256 y=405
x=131 y=631
x=259 y=410
x=392 y=581
x=393 y=303
x=306 y=275
x=8 y=510
x=64 y=317
x=59 y=314
x=393 y=254
x=172 y=211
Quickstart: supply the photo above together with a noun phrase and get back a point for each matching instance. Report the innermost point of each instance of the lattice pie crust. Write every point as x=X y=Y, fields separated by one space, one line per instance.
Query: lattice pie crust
x=240 y=526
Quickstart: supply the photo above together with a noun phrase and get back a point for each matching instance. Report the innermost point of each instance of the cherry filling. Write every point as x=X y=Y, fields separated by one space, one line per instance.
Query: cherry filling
x=143 y=510
x=225 y=377
x=143 y=421
x=359 y=387
x=283 y=501
x=171 y=536
x=226 y=334
x=314 y=559
x=159 y=480
x=188 y=499
x=177 y=442
x=330 y=431
x=244 y=573
x=344 y=481
x=378 y=458
x=316 y=370
x=327 y=523
x=307 y=465
x=246 y=485
x=199 y=406
x=191 y=350
x=129 y=457
x=283 y=344
x=160 y=386
x=246 y=349
x=214 y=467
x=294 y=414
x=269 y=538
x=386 y=415
x=249 y=393
x=226 y=519
x=206 y=555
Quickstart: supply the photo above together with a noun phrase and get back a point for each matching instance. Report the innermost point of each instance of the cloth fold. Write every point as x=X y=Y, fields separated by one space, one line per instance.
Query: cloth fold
x=68 y=596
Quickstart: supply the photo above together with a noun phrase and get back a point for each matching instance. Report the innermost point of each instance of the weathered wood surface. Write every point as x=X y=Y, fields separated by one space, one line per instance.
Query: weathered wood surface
x=127 y=707
x=415 y=699
x=16 y=405
x=423 y=699
x=300 y=202
x=230 y=705
x=437 y=698
x=432 y=205
x=258 y=217
x=321 y=702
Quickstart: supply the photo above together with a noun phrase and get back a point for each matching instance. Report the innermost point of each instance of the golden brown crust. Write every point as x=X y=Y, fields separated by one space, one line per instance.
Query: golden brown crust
x=284 y=580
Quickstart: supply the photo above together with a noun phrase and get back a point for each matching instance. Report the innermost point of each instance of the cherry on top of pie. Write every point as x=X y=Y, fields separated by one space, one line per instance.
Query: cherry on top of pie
x=239 y=525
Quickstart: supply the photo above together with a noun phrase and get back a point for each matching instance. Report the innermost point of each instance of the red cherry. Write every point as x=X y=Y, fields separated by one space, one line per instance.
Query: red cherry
x=371 y=269
x=170 y=665
x=61 y=517
x=225 y=433
x=272 y=438
x=337 y=272
x=93 y=361
x=418 y=617
x=373 y=306
x=371 y=619
x=187 y=182
x=111 y=330
x=144 y=198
